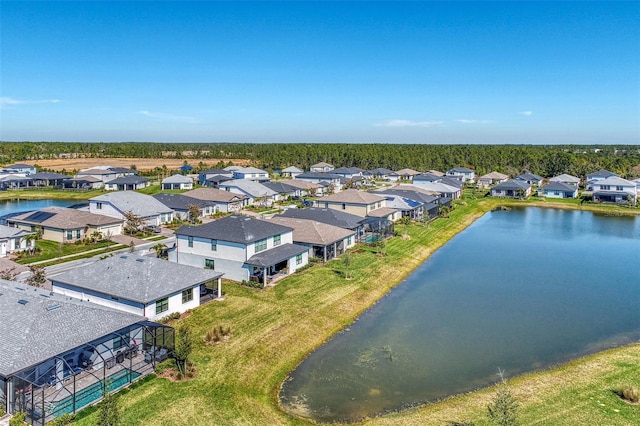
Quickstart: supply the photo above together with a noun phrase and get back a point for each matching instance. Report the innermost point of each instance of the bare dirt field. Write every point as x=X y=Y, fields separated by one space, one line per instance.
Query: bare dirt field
x=140 y=163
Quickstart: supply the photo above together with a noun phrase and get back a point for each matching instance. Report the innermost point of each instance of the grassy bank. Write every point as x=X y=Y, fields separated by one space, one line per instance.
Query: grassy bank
x=273 y=330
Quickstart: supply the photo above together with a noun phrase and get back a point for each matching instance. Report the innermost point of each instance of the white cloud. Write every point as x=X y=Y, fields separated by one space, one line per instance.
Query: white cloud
x=466 y=121
x=526 y=113
x=8 y=101
x=408 y=123
x=170 y=117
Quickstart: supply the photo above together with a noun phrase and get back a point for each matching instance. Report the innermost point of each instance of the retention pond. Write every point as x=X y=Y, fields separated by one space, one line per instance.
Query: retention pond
x=518 y=290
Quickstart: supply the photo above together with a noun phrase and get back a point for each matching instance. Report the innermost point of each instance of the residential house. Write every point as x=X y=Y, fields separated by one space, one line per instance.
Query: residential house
x=243 y=248
x=324 y=241
x=384 y=174
x=177 y=182
x=352 y=201
x=594 y=177
x=117 y=204
x=321 y=167
x=555 y=189
x=436 y=172
x=211 y=177
x=443 y=185
x=66 y=225
x=348 y=172
x=614 y=189
x=321 y=178
x=307 y=188
x=127 y=183
x=283 y=189
x=13 y=240
x=180 y=204
x=104 y=174
x=403 y=206
x=291 y=172
x=513 y=188
x=333 y=217
x=251 y=173
x=566 y=179
x=48 y=179
x=490 y=179
x=256 y=192
x=14 y=181
x=140 y=285
x=462 y=173
x=429 y=204
x=530 y=178
x=24 y=169
x=224 y=201
x=407 y=174
x=84 y=183
x=56 y=351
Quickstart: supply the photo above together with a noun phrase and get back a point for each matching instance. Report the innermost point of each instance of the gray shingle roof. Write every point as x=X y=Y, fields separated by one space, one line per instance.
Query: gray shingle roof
x=559 y=186
x=10 y=232
x=136 y=278
x=237 y=229
x=600 y=174
x=280 y=187
x=141 y=204
x=312 y=231
x=180 y=201
x=330 y=216
x=512 y=184
x=177 y=179
x=276 y=255
x=48 y=325
x=128 y=180
x=253 y=188
x=215 y=194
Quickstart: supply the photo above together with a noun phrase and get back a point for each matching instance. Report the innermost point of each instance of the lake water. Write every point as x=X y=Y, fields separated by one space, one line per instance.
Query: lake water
x=16 y=206
x=518 y=290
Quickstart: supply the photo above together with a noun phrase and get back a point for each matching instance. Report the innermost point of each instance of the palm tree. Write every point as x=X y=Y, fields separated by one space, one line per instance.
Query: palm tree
x=30 y=239
x=159 y=249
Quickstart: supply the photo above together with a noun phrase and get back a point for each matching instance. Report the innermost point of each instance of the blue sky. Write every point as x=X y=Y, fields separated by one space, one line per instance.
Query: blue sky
x=413 y=72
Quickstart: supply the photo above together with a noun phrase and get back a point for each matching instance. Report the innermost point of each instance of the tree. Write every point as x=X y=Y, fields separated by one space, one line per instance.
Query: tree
x=30 y=239
x=346 y=261
x=132 y=222
x=503 y=409
x=406 y=221
x=183 y=348
x=159 y=249
x=9 y=274
x=109 y=414
x=38 y=276
x=194 y=213
x=96 y=236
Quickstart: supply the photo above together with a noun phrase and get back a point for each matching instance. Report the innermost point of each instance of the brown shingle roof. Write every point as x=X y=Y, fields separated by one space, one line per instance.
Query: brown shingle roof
x=312 y=232
x=214 y=194
x=352 y=196
x=64 y=218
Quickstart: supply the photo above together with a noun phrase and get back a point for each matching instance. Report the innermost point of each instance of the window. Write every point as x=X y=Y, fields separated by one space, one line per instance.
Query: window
x=162 y=305
x=299 y=259
x=276 y=240
x=99 y=206
x=348 y=241
x=209 y=264
x=261 y=245
x=605 y=187
x=77 y=234
x=190 y=241
x=214 y=246
x=187 y=295
x=69 y=235
x=619 y=188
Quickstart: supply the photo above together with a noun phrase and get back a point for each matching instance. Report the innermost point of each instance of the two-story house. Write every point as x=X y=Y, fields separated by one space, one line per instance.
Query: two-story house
x=321 y=167
x=614 y=189
x=462 y=173
x=243 y=248
x=352 y=201
x=251 y=173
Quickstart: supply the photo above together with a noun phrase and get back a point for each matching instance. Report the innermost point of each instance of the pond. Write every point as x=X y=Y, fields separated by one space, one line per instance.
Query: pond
x=518 y=290
x=12 y=207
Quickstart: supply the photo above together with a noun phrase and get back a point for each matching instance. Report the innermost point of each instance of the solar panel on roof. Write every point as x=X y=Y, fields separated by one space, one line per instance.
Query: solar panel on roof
x=39 y=217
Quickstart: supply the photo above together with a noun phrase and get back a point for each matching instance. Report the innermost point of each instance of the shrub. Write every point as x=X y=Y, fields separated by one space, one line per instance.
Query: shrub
x=503 y=409
x=217 y=334
x=159 y=368
x=63 y=420
x=630 y=393
x=18 y=419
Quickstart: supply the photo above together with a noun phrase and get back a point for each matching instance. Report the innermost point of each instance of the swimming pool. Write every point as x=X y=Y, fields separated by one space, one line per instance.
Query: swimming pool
x=92 y=393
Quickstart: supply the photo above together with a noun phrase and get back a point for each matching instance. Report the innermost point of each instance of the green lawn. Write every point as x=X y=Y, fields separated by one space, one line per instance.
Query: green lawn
x=274 y=329
x=51 y=250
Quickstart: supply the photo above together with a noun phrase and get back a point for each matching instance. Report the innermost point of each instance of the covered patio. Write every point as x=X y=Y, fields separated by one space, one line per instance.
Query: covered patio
x=269 y=266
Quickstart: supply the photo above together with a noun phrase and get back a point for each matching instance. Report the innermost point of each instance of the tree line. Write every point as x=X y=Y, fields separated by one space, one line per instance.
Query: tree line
x=544 y=160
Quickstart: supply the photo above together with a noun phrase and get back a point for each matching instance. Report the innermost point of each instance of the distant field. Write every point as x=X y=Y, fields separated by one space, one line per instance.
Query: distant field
x=140 y=163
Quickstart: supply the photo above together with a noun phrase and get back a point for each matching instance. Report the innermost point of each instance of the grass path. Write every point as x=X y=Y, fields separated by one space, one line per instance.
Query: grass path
x=273 y=330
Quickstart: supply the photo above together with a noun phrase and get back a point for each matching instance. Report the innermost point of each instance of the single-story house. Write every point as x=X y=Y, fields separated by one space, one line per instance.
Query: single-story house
x=407 y=174
x=58 y=354
x=177 y=182
x=291 y=172
x=127 y=183
x=253 y=190
x=566 y=179
x=348 y=172
x=333 y=217
x=14 y=181
x=13 y=240
x=103 y=173
x=181 y=204
x=429 y=204
x=84 y=182
x=117 y=204
x=140 y=285
x=225 y=201
x=445 y=186
x=48 y=179
x=321 y=167
x=307 y=188
x=384 y=174
x=66 y=225
x=513 y=188
x=556 y=189
x=324 y=241
x=530 y=178
x=243 y=248
x=320 y=178
x=283 y=189
x=490 y=179
x=25 y=169
x=221 y=175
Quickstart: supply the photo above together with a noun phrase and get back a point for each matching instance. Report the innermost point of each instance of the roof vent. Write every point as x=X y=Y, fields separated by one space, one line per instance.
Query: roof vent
x=54 y=307
x=124 y=257
x=23 y=302
x=139 y=260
